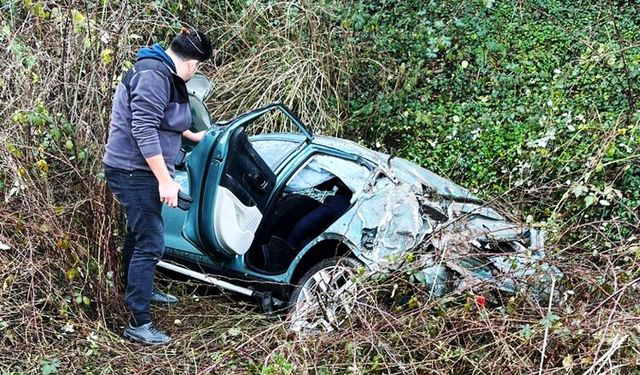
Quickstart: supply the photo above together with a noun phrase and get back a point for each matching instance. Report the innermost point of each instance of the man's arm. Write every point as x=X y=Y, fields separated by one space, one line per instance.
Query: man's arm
x=149 y=98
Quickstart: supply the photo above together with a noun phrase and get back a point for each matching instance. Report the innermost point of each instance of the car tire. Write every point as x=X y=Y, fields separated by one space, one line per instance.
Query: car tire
x=325 y=296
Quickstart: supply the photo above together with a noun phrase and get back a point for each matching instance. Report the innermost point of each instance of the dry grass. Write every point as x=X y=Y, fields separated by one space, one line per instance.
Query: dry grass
x=63 y=226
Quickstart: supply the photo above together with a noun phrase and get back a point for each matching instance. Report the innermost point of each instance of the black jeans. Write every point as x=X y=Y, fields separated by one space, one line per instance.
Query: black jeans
x=137 y=192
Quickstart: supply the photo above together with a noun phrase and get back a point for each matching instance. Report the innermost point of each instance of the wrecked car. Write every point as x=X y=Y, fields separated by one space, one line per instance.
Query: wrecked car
x=275 y=212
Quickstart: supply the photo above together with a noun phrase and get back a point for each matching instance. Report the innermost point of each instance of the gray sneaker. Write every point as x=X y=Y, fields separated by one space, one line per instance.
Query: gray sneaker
x=146 y=334
x=160 y=298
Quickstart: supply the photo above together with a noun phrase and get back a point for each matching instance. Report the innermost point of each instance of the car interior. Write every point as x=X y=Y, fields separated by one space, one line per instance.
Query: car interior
x=310 y=202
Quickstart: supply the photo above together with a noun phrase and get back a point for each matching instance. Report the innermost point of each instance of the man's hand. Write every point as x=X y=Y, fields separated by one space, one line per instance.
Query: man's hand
x=169 y=192
x=167 y=188
x=193 y=137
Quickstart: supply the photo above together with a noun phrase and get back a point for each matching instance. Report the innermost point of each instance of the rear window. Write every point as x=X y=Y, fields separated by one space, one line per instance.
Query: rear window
x=274 y=152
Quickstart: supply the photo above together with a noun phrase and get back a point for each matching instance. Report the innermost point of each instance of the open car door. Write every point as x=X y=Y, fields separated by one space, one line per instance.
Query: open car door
x=231 y=186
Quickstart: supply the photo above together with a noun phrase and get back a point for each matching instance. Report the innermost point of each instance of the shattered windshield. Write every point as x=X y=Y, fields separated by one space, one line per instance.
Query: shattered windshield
x=273 y=152
x=321 y=168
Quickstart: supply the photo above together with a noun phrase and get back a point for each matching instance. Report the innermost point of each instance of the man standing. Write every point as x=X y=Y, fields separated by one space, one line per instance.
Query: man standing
x=150 y=113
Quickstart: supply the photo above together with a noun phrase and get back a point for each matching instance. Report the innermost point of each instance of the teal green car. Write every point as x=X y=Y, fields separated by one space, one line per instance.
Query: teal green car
x=258 y=179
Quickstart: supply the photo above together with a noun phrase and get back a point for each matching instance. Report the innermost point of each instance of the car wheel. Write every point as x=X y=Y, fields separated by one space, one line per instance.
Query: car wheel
x=325 y=296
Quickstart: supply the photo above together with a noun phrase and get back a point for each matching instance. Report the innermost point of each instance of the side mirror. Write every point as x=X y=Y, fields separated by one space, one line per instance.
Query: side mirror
x=200 y=87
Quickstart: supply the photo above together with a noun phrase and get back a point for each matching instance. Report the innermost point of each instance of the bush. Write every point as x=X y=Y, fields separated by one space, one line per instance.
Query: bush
x=534 y=99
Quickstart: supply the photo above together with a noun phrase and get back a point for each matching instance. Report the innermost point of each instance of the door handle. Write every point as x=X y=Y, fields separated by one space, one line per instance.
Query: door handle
x=259 y=182
x=184 y=201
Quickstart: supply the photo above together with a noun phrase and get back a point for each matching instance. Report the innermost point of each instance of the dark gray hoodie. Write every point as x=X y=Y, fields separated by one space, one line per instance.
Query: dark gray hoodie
x=149 y=113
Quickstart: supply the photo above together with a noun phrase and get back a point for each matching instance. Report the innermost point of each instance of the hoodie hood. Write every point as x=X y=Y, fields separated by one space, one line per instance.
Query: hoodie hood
x=156 y=52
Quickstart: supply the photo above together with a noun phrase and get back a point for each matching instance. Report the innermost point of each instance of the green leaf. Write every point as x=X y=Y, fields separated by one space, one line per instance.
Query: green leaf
x=49 y=367
x=15 y=151
x=55 y=134
x=40 y=11
x=589 y=200
x=106 y=55
x=420 y=277
x=525 y=332
x=78 y=17
x=72 y=273
x=548 y=321
x=580 y=190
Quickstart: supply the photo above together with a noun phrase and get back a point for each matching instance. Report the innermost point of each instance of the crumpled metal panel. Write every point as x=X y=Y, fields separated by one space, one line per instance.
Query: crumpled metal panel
x=384 y=222
x=393 y=212
x=403 y=207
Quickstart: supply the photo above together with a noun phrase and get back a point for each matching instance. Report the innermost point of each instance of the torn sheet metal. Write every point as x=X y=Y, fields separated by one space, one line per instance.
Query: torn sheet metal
x=394 y=213
x=454 y=238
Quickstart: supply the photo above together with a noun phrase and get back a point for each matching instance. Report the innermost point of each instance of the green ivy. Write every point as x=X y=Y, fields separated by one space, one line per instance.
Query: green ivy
x=499 y=96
